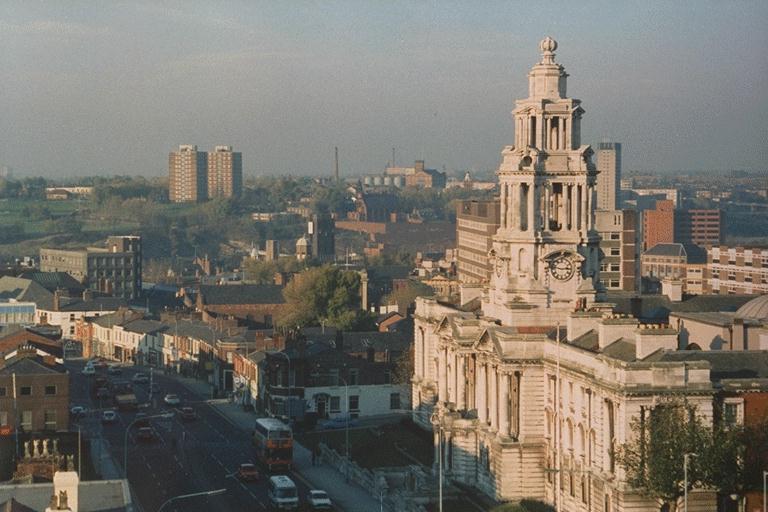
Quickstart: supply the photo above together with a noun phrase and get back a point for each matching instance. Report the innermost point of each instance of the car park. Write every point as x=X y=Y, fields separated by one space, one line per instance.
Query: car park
x=172 y=399
x=108 y=416
x=318 y=500
x=187 y=414
x=248 y=472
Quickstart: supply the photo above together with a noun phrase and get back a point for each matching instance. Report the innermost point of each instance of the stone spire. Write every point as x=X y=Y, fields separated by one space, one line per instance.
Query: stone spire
x=547 y=79
x=548 y=47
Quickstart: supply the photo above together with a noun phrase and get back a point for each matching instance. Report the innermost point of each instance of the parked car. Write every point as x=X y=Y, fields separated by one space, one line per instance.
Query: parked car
x=319 y=500
x=103 y=393
x=172 y=399
x=337 y=423
x=188 y=414
x=140 y=378
x=145 y=434
x=248 y=472
x=114 y=370
x=108 y=416
x=89 y=370
x=78 y=411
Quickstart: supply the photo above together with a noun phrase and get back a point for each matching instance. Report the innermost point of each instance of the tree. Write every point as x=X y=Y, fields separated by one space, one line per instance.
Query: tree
x=321 y=294
x=406 y=295
x=653 y=459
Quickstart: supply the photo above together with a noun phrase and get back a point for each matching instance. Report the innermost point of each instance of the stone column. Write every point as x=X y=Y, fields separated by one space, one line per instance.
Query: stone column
x=547 y=125
x=530 y=204
x=503 y=201
x=574 y=208
x=566 y=135
x=480 y=392
x=547 y=197
x=494 y=405
x=441 y=371
x=513 y=212
x=504 y=405
x=461 y=375
x=590 y=203
x=539 y=131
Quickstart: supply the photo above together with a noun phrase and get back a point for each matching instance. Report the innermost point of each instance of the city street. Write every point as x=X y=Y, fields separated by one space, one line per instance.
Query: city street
x=184 y=456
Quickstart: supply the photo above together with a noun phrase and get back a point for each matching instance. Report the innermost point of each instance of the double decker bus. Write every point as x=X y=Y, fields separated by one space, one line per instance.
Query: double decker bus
x=273 y=441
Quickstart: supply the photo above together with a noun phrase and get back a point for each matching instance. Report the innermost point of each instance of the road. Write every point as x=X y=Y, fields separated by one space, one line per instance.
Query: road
x=185 y=457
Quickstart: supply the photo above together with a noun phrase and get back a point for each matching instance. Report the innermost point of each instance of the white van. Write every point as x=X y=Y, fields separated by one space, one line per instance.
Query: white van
x=283 y=493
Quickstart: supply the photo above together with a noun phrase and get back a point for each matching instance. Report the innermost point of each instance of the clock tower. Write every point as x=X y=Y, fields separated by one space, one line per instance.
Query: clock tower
x=545 y=254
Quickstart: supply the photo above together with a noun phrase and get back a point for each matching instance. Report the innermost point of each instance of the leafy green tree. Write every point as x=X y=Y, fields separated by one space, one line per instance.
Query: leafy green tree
x=321 y=294
x=653 y=459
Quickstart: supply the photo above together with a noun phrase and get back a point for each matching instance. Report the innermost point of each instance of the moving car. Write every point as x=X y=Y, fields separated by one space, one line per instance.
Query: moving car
x=248 y=472
x=145 y=434
x=172 y=399
x=187 y=414
x=89 y=370
x=337 y=423
x=108 y=416
x=318 y=500
x=140 y=378
x=282 y=492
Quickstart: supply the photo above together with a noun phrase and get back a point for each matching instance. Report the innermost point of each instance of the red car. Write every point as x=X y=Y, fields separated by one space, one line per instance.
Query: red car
x=248 y=472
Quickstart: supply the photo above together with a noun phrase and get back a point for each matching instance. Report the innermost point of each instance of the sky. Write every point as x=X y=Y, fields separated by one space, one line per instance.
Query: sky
x=103 y=88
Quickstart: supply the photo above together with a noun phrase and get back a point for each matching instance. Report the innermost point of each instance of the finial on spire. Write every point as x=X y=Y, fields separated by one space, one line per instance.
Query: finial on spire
x=548 y=47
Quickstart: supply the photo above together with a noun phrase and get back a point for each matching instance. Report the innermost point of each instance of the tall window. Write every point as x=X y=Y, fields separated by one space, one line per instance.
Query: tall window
x=50 y=419
x=354 y=403
x=394 y=401
x=3 y=418
x=26 y=421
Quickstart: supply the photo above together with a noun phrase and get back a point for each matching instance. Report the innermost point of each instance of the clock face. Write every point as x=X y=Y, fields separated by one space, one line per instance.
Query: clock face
x=562 y=268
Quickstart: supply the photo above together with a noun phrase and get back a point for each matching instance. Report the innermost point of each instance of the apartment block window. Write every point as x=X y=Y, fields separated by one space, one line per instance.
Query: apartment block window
x=615 y=236
x=614 y=267
x=71 y=317
x=335 y=404
x=26 y=421
x=615 y=251
x=733 y=411
x=50 y=419
x=614 y=283
x=50 y=390
x=388 y=377
x=354 y=403
x=394 y=401
x=354 y=375
x=3 y=418
x=25 y=390
x=3 y=392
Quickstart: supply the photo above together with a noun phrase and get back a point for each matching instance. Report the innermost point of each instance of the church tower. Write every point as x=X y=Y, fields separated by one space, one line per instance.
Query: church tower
x=545 y=253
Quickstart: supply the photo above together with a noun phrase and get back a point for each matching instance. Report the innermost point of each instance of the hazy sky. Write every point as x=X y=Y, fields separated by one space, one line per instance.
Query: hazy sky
x=110 y=88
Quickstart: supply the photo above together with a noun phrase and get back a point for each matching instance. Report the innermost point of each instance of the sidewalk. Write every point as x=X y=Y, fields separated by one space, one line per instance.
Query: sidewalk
x=348 y=497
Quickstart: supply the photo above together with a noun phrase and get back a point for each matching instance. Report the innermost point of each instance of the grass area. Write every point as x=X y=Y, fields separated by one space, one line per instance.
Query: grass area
x=374 y=447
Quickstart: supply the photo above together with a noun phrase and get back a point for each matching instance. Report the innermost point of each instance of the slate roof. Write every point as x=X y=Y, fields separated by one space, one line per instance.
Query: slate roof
x=145 y=326
x=623 y=349
x=658 y=307
x=588 y=341
x=30 y=366
x=95 y=304
x=666 y=250
x=14 y=506
x=23 y=290
x=726 y=364
x=379 y=341
x=52 y=281
x=242 y=294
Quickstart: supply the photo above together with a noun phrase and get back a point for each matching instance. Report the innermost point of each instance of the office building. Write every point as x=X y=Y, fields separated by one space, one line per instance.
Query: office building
x=700 y=227
x=659 y=224
x=609 y=177
x=322 y=232
x=187 y=175
x=225 y=172
x=114 y=269
x=619 y=259
x=476 y=223
x=736 y=270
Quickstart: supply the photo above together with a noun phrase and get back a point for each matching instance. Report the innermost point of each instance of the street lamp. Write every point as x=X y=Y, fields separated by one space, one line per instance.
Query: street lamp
x=435 y=419
x=125 y=441
x=193 y=495
x=765 y=494
x=686 y=458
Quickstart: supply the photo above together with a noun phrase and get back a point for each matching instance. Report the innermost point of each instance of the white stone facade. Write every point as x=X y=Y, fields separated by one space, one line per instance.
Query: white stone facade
x=523 y=415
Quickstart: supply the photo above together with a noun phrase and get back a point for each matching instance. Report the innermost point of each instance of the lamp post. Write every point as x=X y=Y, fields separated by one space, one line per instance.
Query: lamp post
x=193 y=495
x=765 y=494
x=686 y=458
x=288 y=401
x=125 y=441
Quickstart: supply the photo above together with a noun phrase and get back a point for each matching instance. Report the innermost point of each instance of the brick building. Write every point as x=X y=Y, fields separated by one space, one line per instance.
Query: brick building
x=187 y=175
x=225 y=172
x=619 y=259
x=34 y=392
x=476 y=223
x=700 y=227
x=736 y=270
x=249 y=301
x=673 y=262
x=659 y=224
